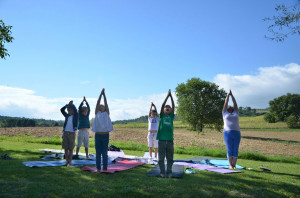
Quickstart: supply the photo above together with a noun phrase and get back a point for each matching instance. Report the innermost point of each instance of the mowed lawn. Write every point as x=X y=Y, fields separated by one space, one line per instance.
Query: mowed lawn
x=17 y=180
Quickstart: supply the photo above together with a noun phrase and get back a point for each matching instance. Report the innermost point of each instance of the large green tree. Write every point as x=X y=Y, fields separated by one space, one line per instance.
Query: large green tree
x=5 y=37
x=286 y=22
x=285 y=108
x=200 y=104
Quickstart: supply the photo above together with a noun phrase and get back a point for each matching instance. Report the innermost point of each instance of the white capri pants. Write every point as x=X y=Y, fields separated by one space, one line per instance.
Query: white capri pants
x=83 y=136
x=152 y=140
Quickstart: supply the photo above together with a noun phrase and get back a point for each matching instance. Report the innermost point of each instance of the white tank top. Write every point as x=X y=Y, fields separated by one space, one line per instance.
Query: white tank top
x=102 y=123
x=231 y=120
x=153 y=123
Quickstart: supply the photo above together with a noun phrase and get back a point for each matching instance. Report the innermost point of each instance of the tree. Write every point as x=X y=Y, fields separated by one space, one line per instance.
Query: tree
x=5 y=37
x=285 y=108
x=200 y=104
x=285 y=23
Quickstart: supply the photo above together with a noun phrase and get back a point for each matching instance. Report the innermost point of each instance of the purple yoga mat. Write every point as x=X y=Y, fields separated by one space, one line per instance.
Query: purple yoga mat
x=207 y=167
x=195 y=166
x=222 y=170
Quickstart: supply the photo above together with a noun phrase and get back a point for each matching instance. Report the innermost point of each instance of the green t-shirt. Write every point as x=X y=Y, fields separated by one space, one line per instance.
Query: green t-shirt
x=165 y=128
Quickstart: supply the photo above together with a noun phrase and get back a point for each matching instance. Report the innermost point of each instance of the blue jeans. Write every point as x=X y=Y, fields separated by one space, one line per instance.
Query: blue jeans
x=101 y=146
x=232 y=139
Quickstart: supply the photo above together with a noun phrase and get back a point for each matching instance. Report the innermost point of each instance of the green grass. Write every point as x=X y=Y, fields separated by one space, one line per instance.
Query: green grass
x=132 y=146
x=17 y=180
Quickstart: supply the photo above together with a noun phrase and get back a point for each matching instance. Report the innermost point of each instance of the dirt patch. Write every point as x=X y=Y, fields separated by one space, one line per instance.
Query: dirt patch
x=265 y=142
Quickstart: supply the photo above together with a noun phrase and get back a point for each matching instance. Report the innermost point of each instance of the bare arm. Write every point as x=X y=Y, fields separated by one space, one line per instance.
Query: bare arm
x=155 y=108
x=163 y=104
x=173 y=104
x=150 y=109
x=234 y=103
x=105 y=103
x=226 y=102
x=98 y=103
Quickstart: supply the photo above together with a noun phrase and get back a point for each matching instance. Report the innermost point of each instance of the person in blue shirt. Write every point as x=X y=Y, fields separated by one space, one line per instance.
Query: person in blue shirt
x=83 y=127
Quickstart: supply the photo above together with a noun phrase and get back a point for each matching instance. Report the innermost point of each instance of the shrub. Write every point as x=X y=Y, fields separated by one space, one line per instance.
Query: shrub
x=292 y=122
x=268 y=117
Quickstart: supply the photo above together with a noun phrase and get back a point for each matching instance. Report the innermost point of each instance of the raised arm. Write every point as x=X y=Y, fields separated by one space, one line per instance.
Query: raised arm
x=151 y=109
x=226 y=101
x=63 y=110
x=155 y=108
x=105 y=103
x=98 y=102
x=235 y=106
x=164 y=103
x=88 y=106
x=80 y=107
x=173 y=104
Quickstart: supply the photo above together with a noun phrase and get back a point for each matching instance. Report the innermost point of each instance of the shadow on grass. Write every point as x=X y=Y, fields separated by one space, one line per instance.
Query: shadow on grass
x=72 y=182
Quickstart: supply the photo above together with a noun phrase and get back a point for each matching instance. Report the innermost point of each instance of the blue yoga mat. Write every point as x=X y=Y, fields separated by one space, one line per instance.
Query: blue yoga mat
x=223 y=163
x=62 y=162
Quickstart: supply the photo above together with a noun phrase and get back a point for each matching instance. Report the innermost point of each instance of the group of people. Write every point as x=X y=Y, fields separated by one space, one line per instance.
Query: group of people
x=160 y=131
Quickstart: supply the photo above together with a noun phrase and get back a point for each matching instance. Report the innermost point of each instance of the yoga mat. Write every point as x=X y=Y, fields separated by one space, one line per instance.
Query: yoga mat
x=147 y=155
x=177 y=171
x=140 y=159
x=222 y=163
x=207 y=167
x=195 y=166
x=196 y=160
x=222 y=170
x=62 y=163
x=110 y=153
x=117 y=167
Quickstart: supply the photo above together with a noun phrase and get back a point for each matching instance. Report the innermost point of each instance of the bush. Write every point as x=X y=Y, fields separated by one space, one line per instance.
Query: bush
x=268 y=117
x=292 y=122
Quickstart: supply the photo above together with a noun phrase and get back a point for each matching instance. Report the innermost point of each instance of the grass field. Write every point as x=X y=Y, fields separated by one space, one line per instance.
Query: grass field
x=18 y=180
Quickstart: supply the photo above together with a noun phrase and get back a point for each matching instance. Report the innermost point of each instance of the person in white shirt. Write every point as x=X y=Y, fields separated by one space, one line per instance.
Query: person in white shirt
x=102 y=125
x=153 y=121
x=232 y=134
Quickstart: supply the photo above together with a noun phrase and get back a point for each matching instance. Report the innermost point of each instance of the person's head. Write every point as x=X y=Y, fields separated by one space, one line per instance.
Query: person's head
x=70 y=110
x=230 y=109
x=102 y=108
x=84 y=111
x=153 y=113
x=167 y=109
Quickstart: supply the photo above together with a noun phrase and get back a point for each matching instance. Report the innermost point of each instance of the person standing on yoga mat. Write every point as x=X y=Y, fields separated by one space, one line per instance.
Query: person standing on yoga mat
x=102 y=126
x=232 y=134
x=69 y=130
x=165 y=137
x=152 y=130
x=83 y=127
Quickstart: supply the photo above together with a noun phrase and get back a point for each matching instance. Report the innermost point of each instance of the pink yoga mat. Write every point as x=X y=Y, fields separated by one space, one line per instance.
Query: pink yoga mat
x=117 y=167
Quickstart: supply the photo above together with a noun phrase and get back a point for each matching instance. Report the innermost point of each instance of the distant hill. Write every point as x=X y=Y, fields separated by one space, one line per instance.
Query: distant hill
x=6 y=121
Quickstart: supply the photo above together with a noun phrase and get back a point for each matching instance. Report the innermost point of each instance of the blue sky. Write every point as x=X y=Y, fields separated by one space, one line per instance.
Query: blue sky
x=137 y=50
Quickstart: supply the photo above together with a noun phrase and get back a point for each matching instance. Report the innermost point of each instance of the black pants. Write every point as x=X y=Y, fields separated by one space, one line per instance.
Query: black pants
x=165 y=149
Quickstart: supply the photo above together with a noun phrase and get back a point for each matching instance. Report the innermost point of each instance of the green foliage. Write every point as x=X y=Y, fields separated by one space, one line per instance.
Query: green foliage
x=200 y=104
x=248 y=111
x=285 y=23
x=5 y=37
x=6 y=121
x=283 y=107
x=268 y=117
x=292 y=122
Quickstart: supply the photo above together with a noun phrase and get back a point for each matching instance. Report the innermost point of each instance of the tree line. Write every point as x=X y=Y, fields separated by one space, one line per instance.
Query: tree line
x=6 y=121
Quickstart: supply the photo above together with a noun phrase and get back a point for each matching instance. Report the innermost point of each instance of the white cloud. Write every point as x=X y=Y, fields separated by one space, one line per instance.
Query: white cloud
x=21 y=102
x=257 y=90
x=250 y=90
